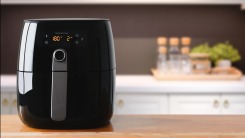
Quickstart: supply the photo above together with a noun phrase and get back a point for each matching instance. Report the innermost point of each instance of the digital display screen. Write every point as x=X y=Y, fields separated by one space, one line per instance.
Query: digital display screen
x=64 y=39
x=59 y=38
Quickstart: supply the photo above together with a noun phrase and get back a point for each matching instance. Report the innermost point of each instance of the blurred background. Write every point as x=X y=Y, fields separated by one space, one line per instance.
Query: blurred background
x=136 y=26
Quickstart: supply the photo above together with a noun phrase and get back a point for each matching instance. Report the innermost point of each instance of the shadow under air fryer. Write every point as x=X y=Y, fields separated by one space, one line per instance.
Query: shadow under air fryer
x=66 y=73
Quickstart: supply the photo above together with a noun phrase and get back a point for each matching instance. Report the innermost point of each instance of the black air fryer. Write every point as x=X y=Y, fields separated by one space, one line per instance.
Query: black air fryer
x=66 y=73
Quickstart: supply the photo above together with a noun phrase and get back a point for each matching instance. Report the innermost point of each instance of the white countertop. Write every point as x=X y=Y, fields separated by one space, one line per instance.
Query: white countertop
x=146 y=83
x=8 y=83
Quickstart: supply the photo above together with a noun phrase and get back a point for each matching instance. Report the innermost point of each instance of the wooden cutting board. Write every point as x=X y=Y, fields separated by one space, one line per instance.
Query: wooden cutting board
x=138 y=126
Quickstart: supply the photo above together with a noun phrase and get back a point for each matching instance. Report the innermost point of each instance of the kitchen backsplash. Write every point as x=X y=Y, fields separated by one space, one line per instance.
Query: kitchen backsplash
x=143 y=57
x=135 y=29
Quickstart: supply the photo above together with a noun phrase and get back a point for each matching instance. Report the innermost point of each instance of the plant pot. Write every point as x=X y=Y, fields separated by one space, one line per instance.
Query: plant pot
x=224 y=63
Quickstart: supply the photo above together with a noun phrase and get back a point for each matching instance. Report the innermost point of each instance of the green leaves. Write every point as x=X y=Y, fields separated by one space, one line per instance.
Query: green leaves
x=218 y=52
x=225 y=51
x=202 y=49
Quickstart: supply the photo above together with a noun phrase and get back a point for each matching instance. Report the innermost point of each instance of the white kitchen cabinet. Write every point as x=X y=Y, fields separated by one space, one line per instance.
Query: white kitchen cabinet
x=141 y=104
x=207 y=104
x=142 y=94
x=8 y=103
x=147 y=103
x=5 y=103
x=233 y=104
x=13 y=104
x=194 y=104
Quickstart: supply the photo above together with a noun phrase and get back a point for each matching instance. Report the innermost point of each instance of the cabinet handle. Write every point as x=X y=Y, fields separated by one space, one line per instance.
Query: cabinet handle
x=226 y=104
x=120 y=103
x=216 y=103
x=14 y=103
x=5 y=102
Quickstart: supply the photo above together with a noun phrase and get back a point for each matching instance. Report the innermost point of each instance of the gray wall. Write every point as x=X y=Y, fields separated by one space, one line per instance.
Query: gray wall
x=135 y=28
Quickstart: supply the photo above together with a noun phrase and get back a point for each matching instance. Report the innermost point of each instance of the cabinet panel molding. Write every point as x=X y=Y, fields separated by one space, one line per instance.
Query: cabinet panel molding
x=233 y=104
x=194 y=104
x=141 y=104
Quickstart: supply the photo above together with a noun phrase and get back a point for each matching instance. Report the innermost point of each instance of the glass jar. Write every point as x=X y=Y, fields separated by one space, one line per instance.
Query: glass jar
x=200 y=63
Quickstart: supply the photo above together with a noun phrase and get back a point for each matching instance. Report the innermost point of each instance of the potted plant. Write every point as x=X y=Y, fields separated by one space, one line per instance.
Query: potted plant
x=224 y=54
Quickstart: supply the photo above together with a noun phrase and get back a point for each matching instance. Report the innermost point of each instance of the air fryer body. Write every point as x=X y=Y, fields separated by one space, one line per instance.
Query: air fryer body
x=66 y=73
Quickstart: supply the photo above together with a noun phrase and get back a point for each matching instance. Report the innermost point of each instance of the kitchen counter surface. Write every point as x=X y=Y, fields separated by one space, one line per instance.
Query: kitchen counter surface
x=135 y=126
x=147 y=83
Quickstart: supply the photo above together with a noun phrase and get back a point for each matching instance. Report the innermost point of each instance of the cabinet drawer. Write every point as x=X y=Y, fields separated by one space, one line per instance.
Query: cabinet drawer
x=194 y=104
x=8 y=103
x=5 y=103
x=233 y=104
x=141 y=104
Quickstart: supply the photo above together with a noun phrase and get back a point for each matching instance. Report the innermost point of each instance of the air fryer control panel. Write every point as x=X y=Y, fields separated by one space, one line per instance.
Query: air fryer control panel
x=66 y=39
x=87 y=45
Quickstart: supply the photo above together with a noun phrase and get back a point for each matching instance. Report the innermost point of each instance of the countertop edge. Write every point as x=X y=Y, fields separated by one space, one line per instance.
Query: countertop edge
x=147 y=83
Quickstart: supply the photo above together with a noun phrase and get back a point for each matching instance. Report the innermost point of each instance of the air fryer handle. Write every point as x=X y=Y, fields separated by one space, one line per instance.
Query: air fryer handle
x=59 y=85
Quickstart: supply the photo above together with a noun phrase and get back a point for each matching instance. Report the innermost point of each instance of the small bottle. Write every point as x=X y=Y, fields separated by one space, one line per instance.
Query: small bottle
x=162 y=56
x=186 y=65
x=174 y=56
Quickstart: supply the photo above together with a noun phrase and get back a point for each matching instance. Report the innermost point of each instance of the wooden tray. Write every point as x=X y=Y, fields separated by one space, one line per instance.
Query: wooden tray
x=235 y=74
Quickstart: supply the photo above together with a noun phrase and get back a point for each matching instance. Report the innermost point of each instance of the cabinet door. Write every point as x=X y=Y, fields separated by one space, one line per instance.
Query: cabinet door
x=13 y=104
x=5 y=103
x=194 y=104
x=233 y=104
x=141 y=104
